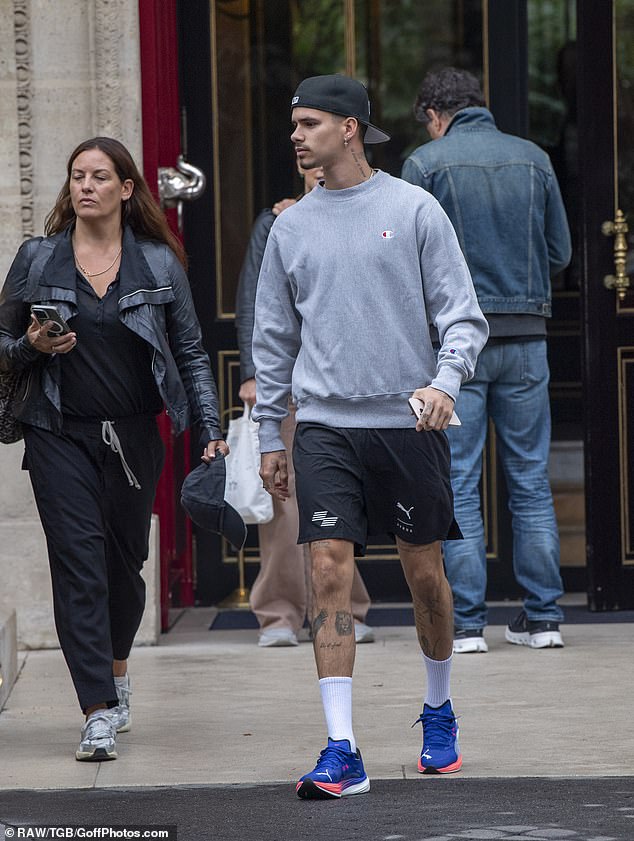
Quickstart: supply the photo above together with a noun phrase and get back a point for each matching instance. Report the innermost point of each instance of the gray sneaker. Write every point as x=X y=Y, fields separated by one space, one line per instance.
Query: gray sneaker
x=120 y=715
x=277 y=638
x=469 y=641
x=98 y=738
x=363 y=633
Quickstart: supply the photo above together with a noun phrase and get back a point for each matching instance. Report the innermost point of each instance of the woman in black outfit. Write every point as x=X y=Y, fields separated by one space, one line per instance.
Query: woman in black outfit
x=116 y=275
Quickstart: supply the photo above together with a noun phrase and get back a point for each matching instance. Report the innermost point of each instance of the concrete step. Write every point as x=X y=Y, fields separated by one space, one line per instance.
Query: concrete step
x=570 y=508
x=572 y=550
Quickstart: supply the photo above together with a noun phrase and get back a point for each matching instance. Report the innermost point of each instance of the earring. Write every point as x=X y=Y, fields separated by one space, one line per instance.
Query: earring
x=345 y=142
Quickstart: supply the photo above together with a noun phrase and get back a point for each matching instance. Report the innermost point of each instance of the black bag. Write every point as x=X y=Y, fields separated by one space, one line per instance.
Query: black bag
x=11 y=383
x=10 y=428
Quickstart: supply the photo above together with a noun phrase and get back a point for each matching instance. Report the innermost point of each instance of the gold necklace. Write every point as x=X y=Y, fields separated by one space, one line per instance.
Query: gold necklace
x=97 y=274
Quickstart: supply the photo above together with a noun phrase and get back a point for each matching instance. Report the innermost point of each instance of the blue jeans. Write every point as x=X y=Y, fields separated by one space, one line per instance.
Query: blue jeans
x=511 y=387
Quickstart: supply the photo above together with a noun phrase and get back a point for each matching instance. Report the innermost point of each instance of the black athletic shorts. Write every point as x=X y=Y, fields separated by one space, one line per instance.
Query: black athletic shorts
x=352 y=483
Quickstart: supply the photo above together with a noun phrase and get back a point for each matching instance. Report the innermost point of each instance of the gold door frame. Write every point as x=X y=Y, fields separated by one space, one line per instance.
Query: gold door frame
x=626 y=436
x=240 y=20
x=625 y=354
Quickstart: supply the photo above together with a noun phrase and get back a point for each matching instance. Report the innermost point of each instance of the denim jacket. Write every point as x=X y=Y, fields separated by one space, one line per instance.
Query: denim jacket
x=154 y=302
x=502 y=197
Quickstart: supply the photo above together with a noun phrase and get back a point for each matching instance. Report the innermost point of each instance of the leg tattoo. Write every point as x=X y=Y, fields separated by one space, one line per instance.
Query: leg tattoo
x=344 y=623
x=429 y=650
x=429 y=608
x=319 y=621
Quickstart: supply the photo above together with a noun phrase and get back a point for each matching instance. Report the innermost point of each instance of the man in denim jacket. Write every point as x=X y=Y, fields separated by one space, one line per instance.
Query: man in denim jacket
x=502 y=197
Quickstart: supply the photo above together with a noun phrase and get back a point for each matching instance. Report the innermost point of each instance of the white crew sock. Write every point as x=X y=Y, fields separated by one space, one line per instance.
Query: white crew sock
x=336 y=697
x=438 y=675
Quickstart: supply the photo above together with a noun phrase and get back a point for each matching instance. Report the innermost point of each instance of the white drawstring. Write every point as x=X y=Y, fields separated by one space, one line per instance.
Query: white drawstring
x=111 y=439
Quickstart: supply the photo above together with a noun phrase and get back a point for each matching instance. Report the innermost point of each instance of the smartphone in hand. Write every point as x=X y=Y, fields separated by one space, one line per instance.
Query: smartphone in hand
x=417 y=407
x=44 y=313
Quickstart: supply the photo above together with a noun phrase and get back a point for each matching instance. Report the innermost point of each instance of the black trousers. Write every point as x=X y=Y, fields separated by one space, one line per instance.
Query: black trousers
x=97 y=529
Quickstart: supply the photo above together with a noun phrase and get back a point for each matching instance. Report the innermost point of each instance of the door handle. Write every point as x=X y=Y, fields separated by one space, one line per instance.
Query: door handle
x=184 y=182
x=618 y=229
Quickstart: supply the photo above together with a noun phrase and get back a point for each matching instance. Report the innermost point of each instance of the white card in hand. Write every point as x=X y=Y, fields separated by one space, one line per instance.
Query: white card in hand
x=417 y=407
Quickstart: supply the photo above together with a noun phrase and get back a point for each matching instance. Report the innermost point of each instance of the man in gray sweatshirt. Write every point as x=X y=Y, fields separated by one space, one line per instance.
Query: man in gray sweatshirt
x=352 y=277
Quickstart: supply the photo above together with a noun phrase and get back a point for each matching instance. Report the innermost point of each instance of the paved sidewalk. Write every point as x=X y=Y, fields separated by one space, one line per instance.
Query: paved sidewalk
x=427 y=809
x=212 y=708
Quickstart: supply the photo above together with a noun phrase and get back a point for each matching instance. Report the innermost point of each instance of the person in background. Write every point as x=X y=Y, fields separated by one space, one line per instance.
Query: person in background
x=502 y=196
x=281 y=593
x=116 y=275
x=352 y=277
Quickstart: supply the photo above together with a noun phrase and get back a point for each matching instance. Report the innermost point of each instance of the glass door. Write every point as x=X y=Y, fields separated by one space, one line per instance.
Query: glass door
x=606 y=197
x=552 y=124
x=559 y=71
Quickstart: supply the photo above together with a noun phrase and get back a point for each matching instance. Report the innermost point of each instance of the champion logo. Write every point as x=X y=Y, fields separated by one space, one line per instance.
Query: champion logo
x=294 y=100
x=323 y=518
x=388 y=234
x=452 y=350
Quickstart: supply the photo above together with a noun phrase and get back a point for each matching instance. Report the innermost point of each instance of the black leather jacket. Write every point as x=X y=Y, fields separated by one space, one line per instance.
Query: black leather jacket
x=247 y=286
x=155 y=302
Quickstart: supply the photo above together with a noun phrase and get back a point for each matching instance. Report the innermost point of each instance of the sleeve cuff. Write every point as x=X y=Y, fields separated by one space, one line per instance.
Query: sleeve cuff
x=212 y=433
x=449 y=380
x=247 y=372
x=27 y=352
x=270 y=437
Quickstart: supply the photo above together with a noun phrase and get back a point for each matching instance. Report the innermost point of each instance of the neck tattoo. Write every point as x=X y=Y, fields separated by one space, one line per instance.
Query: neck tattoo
x=359 y=164
x=103 y=271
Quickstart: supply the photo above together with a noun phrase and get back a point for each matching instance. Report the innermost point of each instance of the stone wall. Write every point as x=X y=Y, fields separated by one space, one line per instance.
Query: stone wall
x=69 y=70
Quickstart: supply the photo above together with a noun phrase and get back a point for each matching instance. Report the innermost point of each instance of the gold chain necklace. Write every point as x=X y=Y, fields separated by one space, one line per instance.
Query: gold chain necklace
x=97 y=274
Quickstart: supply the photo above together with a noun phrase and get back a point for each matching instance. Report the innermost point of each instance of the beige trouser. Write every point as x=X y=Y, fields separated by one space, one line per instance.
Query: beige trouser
x=281 y=594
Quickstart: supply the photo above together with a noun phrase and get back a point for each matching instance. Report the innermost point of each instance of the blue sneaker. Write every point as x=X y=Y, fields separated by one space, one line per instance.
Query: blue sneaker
x=338 y=773
x=441 y=752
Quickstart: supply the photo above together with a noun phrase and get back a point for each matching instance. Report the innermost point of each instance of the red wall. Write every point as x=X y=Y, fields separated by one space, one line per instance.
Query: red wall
x=161 y=146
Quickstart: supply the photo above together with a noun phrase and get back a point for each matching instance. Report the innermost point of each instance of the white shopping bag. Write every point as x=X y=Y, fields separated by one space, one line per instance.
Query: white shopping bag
x=243 y=488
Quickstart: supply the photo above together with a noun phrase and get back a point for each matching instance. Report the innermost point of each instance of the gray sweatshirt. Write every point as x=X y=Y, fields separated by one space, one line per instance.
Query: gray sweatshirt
x=350 y=281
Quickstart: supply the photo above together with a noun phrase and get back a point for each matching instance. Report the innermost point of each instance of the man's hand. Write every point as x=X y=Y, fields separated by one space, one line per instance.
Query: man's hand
x=247 y=392
x=438 y=409
x=274 y=474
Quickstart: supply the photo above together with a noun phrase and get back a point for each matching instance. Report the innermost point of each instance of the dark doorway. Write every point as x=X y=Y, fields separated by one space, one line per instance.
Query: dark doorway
x=548 y=67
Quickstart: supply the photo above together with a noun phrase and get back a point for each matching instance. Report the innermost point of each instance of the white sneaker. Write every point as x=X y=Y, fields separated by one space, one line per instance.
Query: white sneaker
x=277 y=637
x=363 y=633
x=98 y=738
x=542 y=633
x=120 y=714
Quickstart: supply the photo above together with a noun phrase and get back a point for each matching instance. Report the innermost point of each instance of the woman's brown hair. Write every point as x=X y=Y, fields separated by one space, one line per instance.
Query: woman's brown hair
x=140 y=211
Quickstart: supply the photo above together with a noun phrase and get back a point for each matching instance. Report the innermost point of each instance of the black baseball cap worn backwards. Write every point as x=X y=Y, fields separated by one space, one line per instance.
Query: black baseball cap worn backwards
x=203 y=498
x=341 y=95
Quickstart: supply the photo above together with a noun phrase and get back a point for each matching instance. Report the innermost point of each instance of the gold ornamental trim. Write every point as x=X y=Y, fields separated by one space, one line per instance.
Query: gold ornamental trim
x=625 y=363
